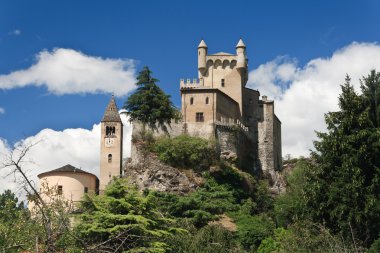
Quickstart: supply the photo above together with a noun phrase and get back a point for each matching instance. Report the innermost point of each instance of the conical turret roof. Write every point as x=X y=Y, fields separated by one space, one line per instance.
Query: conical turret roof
x=112 y=113
x=202 y=44
x=240 y=43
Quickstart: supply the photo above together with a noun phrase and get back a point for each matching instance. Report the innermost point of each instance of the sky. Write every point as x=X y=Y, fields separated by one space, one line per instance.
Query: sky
x=60 y=61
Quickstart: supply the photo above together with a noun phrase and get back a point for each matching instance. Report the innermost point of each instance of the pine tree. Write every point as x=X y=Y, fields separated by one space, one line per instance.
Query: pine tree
x=342 y=189
x=149 y=104
x=123 y=220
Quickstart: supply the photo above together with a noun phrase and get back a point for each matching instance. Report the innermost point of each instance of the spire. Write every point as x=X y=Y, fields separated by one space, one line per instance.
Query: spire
x=202 y=44
x=112 y=113
x=240 y=44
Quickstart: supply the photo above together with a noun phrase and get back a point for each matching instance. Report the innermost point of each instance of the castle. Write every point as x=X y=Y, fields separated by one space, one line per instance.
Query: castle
x=215 y=105
x=219 y=99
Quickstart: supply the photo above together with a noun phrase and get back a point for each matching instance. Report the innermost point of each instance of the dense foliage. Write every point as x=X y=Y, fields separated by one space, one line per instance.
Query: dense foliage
x=123 y=220
x=149 y=104
x=185 y=151
x=343 y=188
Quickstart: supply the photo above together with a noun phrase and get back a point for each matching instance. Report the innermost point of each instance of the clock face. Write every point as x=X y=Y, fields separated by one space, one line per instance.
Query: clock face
x=109 y=142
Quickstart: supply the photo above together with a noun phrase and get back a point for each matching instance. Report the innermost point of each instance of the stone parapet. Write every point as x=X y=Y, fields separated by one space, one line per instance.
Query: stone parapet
x=195 y=83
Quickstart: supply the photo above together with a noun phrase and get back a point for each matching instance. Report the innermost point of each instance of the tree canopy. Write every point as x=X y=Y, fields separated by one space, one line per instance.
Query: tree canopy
x=343 y=188
x=149 y=104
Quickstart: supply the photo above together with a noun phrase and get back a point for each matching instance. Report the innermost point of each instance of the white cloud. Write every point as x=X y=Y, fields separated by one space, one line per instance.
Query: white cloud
x=273 y=77
x=304 y=94
x=66 y=71
x=78 y=147
x=2 y=110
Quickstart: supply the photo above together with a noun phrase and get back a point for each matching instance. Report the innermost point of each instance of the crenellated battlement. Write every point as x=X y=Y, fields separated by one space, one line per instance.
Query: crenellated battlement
x=194 y=83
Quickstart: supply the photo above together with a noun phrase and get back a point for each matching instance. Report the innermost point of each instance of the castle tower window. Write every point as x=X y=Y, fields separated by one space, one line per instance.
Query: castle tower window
x=207 y=100
x=222 y=82
x=109 y=158
x=191 y=100
x=60 y=190
x=85 y=189
x=199 y=117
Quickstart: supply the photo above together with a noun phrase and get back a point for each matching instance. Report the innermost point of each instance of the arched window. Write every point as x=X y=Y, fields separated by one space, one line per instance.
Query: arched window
x=191 y=100
x=107 y=131
x=207 y=101
x=109 y=158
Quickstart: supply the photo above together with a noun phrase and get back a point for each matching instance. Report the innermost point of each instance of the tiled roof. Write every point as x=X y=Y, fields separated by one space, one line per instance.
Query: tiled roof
x=112 y=113
x=66 y=168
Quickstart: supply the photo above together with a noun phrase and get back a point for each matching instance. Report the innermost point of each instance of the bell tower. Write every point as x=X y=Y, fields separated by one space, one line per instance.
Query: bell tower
x=111 y=145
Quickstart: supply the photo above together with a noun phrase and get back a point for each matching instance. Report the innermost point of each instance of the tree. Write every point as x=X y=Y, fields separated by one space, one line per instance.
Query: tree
x=17 y=229
x=123 y=220
x=48 y=223
x=149 y=104
x=343 y=188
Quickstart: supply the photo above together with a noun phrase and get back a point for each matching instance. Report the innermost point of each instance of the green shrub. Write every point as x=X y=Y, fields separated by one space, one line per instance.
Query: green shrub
x=185 y=151
x=252 y=230
x=209 y=239
x=375 y=247
x=305 y=236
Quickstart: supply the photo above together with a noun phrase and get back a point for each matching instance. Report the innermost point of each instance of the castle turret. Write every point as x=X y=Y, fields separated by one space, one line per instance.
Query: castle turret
x=202 y=52
x=241 y=58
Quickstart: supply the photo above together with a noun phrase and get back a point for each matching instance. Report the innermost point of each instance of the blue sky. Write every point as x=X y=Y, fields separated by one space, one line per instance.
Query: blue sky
x=286 y=41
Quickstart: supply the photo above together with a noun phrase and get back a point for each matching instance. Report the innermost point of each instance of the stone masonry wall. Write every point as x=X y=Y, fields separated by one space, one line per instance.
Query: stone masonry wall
x=234 y=146
x=265 y=138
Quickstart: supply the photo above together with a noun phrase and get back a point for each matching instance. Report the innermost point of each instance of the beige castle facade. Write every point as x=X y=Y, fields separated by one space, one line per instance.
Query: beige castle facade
x=219 y=98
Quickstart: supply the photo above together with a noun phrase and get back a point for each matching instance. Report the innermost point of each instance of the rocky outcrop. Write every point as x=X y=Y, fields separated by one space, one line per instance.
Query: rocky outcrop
x=144 y=169
x=277 y=180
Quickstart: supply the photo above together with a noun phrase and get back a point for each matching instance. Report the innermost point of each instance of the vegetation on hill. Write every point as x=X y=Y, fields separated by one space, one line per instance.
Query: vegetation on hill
x=332 y=202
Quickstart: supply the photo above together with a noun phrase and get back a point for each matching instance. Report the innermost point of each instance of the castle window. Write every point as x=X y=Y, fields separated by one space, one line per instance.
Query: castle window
x=85 y=189
x=199 y=117
x=59 y=190
x=191 y=100
x=222 y=82
x=207 y=100
x=109 y=158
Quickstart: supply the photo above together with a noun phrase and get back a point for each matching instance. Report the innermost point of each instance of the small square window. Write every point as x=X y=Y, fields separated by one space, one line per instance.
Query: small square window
x=85 y=189
x=199 y=117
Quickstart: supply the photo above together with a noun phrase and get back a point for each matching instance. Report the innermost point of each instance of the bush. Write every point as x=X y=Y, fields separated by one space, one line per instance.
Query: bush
x=375 y=247
x=305 y=236
x=185 y=152
x=252 y=230
x=209 y=239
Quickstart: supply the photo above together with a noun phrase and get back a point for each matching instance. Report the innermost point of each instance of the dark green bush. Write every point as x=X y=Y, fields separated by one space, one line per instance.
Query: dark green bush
x=209 y=239
x=252 y=230
x=185 y=151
